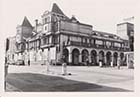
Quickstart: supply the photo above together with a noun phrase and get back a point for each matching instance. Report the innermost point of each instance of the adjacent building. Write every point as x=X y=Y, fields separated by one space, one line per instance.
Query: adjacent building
x=59 y=37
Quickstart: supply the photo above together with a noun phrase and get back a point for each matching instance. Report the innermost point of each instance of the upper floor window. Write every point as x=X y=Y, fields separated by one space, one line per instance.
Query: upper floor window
x=44 y=40
x=122 y=45
x=99 y=42
x=126 y=43
x=108 y=43
x=46 y=20
x=45 y=28
x=116 y=44
x=37 y=43
x=85 y=40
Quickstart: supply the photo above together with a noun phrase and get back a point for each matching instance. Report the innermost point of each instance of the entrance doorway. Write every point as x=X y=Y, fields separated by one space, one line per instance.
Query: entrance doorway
x=75 y=57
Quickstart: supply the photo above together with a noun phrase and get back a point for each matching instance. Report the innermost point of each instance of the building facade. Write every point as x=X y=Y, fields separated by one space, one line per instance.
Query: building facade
x=58 y=38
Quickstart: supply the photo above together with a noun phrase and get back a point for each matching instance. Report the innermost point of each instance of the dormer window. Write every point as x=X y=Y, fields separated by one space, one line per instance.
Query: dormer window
x=73 y=19
x=94 y=33
x=47 y=20
x=111 y=36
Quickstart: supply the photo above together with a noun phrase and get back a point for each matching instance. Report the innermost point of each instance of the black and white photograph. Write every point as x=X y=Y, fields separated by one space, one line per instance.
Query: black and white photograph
x=80 y=46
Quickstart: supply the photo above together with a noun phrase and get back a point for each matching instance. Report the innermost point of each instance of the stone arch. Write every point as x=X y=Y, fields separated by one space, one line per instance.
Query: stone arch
x=84 y=54
x=102 y=56
x=75 y=56
x=66 y=55
x=121 y=59
x=94 y=57
x=108 y=58
x=115 y=58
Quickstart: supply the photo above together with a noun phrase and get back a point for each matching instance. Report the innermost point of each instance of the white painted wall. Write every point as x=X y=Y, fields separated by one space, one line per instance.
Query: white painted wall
x=45 y=54
x=122 y=31
x=53 y=53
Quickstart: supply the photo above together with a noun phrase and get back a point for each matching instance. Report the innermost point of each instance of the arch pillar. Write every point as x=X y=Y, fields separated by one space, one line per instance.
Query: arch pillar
x=105 y=59
x=80 y=57
x=118 y=61
x=89 y=57
x=111 y=60
x=70 y=57
x=97 y=58
x=108 y=58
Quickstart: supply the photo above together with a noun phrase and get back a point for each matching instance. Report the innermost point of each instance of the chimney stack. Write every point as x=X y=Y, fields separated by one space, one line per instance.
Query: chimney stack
x=36 y=22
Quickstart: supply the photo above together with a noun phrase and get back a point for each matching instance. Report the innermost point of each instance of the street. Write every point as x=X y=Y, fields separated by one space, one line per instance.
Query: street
x=35 y=78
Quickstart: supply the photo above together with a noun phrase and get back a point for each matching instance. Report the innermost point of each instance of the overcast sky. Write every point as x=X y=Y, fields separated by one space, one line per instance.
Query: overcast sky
x=102 y=14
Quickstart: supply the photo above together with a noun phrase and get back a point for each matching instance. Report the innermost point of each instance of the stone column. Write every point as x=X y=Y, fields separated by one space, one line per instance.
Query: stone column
x=111 y=61
x=70 y=57
x=105 y=60
x=80 y=58
x=89 y=57
x=118 y=62
x=98 y=59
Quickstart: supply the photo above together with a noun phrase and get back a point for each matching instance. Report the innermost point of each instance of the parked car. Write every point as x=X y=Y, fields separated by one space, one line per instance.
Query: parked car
x=20 y=62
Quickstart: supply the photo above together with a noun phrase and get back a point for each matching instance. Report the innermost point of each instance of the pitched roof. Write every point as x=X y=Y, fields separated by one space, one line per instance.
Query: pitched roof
x=56 y=9
x=26 y=23
x=104 y=33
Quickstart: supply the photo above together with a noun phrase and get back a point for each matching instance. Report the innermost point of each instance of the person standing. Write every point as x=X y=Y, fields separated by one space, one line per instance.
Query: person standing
x=28 y=62
x=64 y=65
x=87 y=61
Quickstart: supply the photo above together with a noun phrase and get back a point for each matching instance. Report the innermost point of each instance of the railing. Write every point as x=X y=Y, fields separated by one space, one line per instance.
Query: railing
x=47 y=45
x=19 y=50
x=95 y=46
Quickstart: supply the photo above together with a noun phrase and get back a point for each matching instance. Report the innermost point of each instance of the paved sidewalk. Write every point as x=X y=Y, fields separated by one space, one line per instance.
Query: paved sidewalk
x=107 y=77
x=112 y=77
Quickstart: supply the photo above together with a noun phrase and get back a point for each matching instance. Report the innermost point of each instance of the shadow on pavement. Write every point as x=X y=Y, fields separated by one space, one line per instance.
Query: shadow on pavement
x=31 y=82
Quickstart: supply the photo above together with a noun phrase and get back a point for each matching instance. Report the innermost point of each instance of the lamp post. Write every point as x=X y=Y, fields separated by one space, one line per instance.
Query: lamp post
x=64 y=64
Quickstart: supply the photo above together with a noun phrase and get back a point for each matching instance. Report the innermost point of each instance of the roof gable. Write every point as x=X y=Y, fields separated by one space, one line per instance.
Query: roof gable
x=26 y=23
x=56 y=9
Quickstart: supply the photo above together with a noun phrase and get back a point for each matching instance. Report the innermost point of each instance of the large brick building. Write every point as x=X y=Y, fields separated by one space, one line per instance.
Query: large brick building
x=59 y=37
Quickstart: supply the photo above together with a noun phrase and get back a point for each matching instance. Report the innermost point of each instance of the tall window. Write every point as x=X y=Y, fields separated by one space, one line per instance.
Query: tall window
x=44 y=40
x=46 y=20
x=85 y=40
x=116 y=44
x=45 y=28
x=99 y=42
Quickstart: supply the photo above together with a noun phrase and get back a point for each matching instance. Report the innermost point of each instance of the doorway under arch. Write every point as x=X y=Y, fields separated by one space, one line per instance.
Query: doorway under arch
x=66 y=55
x=94 y=57
x=85 y=55
x=115 y=58
x=102 y=57
x=121 y=59
x=75 y=56
x=108 y=58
